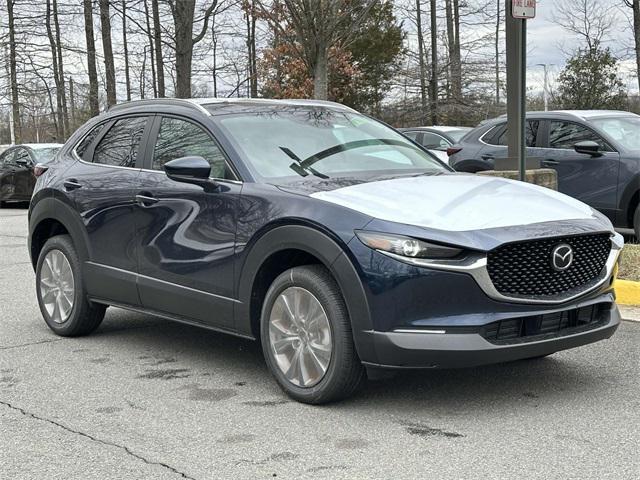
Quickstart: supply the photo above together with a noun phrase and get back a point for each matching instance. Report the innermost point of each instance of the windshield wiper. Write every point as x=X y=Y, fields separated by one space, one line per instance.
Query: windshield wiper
x=299 y=167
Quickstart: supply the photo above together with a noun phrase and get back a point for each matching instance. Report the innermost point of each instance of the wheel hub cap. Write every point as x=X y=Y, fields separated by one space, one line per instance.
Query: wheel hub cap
x=57 y=286
x=300 y=337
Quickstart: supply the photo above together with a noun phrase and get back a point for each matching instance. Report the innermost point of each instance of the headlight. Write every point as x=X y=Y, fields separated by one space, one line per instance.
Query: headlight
x=406 y=246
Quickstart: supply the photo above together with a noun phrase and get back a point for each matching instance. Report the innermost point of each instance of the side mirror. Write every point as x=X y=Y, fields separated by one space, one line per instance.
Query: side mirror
x=588 y=148
x=195 y=170
x=23 y=162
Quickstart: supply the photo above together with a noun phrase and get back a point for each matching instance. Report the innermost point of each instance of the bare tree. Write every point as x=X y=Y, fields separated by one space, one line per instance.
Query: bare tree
x=94 y=106
x=592 y=20
x=60 y=133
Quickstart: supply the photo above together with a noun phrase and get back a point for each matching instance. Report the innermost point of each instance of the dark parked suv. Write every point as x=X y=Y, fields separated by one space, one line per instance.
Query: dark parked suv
x=596 y=154
x=339 y=244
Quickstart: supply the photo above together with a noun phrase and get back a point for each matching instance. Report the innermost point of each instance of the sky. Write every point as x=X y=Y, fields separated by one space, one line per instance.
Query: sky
x=547 y=42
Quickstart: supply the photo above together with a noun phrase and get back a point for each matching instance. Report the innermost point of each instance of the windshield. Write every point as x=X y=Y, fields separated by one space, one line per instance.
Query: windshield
x=624 y=130
x=44 y=155
x=299 y=141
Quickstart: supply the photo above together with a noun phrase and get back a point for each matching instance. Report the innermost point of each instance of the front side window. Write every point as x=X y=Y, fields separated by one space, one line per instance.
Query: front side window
x=300 y=140
x=120 y=145
x=565 y=135
x=22 y=156
x=180 y=138
x=531 y=135
x=433 y=141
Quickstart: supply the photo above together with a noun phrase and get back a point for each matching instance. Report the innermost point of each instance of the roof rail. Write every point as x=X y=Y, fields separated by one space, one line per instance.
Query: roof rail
x=182 y=102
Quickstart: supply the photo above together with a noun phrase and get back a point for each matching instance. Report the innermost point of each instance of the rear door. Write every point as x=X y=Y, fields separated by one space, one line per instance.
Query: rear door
x=101 y=185
x=591 y=179
x=496 y=142
x=7 y=170
x=186 y=235
x=23 y=176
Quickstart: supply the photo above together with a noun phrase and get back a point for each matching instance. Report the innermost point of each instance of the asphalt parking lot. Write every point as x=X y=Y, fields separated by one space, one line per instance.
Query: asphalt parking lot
x=146 y=398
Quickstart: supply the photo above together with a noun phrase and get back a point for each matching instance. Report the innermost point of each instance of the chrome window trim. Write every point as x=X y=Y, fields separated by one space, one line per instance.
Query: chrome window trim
x=481 y=139
x=228 y=180
x=475 y=265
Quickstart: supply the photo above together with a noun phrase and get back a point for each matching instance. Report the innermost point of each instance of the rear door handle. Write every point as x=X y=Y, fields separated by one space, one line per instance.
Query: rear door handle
x=550 y=162
x=488 y=156
x=72 y=184
x=146 y=201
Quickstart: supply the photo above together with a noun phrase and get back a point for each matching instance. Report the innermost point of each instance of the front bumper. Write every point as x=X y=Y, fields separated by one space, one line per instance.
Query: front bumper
x=454 y=350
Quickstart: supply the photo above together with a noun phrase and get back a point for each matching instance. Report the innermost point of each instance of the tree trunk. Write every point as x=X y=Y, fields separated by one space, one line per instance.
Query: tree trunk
x=15 y=105
x=214 y=52
x=497 y=49
x=63 y=91
x=72 y=103
x=320 y=73
x=94 y=106
x=252 y=59
x=56 y=73
x=107 y=48
x=183 y=19
x=127 y=78
x=423 y=68
x=158 y=41
x=151 y=51
x=636 y=35
x=433 y=83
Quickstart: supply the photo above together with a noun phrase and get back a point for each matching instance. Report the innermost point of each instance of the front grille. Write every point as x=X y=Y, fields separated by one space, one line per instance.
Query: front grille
x=524 y=269
x=538 y=327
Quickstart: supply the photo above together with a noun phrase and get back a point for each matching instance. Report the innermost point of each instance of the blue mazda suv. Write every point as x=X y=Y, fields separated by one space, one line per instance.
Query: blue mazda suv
x=340 y=245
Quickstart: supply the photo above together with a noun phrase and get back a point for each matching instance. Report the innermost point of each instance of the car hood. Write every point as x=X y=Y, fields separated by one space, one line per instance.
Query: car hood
x=458 y=203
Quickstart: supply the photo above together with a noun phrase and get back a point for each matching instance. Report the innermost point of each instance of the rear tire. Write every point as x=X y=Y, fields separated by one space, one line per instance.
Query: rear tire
x=60 y=290
x=303 y=317
x=636 y=223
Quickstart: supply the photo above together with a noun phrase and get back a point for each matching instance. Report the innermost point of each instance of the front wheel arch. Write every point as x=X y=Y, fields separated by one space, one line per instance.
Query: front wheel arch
x=314 y=246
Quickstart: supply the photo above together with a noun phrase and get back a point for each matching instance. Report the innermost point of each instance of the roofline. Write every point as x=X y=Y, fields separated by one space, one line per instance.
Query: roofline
x=181 y=102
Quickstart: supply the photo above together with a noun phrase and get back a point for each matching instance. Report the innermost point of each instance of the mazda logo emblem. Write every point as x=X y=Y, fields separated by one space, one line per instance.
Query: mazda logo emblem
x=561 y=257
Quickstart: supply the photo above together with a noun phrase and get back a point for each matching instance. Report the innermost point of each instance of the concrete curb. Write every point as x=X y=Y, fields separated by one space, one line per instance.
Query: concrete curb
x=627 y=292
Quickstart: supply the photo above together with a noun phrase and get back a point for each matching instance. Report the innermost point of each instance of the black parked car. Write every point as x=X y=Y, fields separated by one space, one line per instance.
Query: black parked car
x=596 y=154
x=341 y=245
x=17 y=163
x=436 y=139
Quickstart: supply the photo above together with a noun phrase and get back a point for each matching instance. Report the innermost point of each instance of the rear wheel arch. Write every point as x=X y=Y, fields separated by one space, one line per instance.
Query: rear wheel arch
x=51 y=217
x=285 y=247
x=471 y=166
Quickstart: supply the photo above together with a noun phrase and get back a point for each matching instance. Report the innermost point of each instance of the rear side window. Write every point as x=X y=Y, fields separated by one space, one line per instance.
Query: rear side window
x=82 y=149
x=22 y=154
x=564 y=135
x=120 y=145
x=179 y=138
x=501 y=138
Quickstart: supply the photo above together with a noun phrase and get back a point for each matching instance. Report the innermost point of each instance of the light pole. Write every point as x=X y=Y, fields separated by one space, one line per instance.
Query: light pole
x=545 y=92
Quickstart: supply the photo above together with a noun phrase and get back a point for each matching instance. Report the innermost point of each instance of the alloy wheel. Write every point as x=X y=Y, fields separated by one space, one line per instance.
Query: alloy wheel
x=57 y=288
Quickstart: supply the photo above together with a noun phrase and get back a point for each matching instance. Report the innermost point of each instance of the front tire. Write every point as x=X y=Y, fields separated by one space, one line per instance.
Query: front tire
x=60 y=290
x=636 y=223
x=307 y=339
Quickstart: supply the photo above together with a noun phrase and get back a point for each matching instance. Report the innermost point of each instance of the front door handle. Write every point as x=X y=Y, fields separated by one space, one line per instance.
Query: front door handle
x=549 y=162
x=145 y=200
x=488 y=156
x=72 y=184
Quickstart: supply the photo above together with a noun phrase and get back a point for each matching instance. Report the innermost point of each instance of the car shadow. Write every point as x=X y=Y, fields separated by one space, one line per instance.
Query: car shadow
x=555 y=378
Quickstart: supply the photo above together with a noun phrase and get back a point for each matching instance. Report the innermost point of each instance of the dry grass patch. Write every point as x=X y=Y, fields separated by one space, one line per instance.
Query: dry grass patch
x=630 y=263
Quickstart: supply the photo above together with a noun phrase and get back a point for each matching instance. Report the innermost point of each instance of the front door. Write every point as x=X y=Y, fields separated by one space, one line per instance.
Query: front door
x=23 y=177
x=591 y=179
x=186 y=235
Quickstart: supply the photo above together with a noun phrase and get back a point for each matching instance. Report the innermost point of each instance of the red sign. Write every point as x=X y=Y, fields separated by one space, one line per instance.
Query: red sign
x=523 y=9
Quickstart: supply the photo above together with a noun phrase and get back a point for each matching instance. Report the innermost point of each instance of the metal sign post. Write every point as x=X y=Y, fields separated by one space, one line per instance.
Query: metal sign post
x=516 y=38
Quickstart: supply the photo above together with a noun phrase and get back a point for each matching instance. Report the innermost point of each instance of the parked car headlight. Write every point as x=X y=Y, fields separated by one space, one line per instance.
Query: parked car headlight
x=406 y=246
